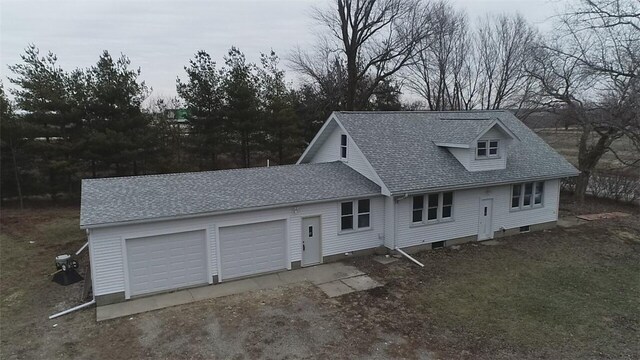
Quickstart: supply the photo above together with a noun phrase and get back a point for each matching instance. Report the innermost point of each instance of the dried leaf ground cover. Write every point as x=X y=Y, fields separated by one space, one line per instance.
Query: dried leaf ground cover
x=562 y=293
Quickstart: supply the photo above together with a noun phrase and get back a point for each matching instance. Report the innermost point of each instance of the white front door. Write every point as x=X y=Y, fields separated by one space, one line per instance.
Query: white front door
x=485 y=229
x=311 y=246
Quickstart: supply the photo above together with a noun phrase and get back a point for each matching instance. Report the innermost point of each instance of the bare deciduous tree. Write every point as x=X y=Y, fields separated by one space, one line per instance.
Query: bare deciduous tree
x=444 y=71
x=504 y=46
x=374 y=39
x=591 y=69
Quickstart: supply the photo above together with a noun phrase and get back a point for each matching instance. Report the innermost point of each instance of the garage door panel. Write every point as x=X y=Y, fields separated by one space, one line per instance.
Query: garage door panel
x=166 y=262
x=252 y=249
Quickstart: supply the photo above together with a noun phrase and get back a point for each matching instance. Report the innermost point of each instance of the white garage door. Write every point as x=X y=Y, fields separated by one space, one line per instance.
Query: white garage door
x=252 y=249
x=166 y=262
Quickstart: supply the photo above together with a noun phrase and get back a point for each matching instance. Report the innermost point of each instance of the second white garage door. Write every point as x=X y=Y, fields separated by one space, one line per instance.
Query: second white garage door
x=252 y=249
x=166 y=262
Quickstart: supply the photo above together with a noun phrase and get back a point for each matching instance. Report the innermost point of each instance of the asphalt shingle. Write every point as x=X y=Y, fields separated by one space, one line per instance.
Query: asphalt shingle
x=114 y=200
x=400 y=147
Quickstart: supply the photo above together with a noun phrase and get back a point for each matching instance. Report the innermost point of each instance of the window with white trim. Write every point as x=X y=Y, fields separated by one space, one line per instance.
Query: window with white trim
x=486 y=149
x=355 y=215
x=439 y=206
x=343 y=146
x=418 y=207
x=364 y=213
x=447 y=205
x=527 y=195
x=432 y=206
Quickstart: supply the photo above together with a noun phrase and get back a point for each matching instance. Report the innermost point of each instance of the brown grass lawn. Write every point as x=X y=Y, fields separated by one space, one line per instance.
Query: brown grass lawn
x=566 y=143
x=562 y=293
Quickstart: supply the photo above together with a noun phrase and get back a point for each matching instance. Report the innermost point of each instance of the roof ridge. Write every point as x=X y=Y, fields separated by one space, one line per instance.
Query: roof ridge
x=201 y=172
x=417 y=111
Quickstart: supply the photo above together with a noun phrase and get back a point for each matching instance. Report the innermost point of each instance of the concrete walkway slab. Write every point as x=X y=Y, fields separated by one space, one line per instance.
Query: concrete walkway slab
x=361 y=283
x=320 y=274
x=385 y=259
x=335 y=288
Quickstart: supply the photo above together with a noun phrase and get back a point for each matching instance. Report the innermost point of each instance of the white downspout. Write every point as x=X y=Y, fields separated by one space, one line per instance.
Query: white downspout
x=395 y=231
x=409 y=257
x=73 y=309
x=395 y=220
x=82 y=248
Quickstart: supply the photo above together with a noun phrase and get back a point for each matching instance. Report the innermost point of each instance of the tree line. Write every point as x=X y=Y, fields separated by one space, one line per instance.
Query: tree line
x=100 y=121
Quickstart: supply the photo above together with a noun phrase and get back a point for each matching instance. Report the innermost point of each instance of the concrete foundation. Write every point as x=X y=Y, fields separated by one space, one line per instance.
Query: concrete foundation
x=380 y=250
x=516 y=231
x=109 y=298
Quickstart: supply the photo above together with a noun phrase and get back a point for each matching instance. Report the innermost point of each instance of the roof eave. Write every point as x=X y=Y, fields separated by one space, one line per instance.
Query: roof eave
x=452 y=145
x=313 y=142
x=502 y=126
x=478 y=185
x=221 y=212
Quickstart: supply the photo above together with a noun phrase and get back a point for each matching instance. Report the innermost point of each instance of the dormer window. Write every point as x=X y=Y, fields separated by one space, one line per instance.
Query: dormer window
x=487 y=149
x=343 y=146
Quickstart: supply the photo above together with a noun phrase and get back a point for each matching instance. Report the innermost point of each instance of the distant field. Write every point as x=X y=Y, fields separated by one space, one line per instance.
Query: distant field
x=566 y=143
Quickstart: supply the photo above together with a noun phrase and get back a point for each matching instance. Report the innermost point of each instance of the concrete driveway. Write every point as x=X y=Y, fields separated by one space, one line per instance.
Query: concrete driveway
x=335 y=279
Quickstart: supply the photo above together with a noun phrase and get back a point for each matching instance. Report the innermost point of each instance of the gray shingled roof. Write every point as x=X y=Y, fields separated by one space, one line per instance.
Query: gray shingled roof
x=400 y=147
x=114 y=200
x=459 y=131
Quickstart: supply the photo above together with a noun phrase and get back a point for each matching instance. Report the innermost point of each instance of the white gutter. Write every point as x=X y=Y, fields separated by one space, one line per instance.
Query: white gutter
x=409 y=257
x=404 y=194
x=224 y=212
x=73 y=309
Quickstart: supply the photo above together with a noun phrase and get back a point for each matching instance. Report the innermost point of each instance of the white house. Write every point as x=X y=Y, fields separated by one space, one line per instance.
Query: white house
x=367 y=181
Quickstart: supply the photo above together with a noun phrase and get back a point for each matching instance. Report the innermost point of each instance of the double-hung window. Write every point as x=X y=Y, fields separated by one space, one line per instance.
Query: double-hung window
x=355 y=215
x=528 y=191
x=418 y=208
x=486 y=149
x=343 y=146
x=432 y=206
x=537 y=195
x=346 y=215
x=447 y=205
x=527 y=195
x=438 y=206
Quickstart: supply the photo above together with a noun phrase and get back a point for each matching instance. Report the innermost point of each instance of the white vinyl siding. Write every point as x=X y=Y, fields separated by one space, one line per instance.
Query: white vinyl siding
x=331 y=149
x=106 y=243
x=389 y=221
x=469 y=159
x=466 y=215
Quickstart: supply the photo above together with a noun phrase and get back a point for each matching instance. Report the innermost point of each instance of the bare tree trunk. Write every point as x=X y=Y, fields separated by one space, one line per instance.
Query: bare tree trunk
x=582 y=185
x=15 y=172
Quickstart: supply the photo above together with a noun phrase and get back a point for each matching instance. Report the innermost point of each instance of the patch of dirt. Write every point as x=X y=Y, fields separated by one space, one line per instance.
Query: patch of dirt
x=560 y=293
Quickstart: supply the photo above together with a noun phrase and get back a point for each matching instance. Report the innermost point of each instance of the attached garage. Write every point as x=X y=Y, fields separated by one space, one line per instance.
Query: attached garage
x=166 y=262
x=252 y=249
x=157 y=233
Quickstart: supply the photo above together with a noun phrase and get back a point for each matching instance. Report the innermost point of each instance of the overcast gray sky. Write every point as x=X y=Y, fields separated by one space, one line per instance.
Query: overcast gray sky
x=160 y=36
